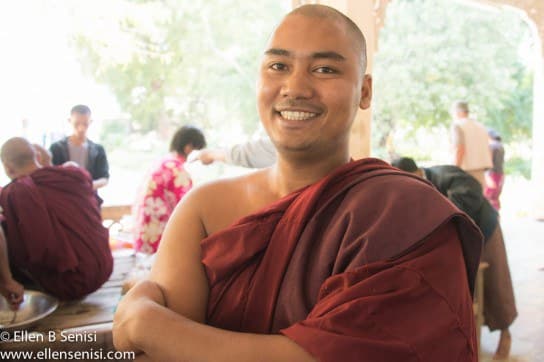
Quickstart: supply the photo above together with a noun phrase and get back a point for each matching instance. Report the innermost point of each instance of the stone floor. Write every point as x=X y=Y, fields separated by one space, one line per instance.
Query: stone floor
x=524 y=238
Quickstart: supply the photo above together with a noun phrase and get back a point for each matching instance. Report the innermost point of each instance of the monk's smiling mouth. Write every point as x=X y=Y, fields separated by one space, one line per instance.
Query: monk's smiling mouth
x=297 y=115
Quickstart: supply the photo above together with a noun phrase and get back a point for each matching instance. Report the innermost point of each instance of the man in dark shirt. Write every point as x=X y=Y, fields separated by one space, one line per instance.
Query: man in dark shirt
x=81 y=150
x=466 y=193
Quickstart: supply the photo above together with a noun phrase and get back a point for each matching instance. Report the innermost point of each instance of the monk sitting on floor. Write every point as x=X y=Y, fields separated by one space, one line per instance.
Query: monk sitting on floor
x=54 y=232
x=317 y=258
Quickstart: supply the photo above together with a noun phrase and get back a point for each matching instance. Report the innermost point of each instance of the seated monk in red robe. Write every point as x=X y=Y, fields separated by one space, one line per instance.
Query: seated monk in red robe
x=53 y=226
x=317 y=258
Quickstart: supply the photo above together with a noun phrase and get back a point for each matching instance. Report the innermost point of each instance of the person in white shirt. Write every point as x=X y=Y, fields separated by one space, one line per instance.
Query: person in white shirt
x=258 y=153
x=470 y=143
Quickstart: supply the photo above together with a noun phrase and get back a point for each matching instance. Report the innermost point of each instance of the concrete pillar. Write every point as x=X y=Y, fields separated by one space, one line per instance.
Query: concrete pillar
x=365 y=14
x=537 y=178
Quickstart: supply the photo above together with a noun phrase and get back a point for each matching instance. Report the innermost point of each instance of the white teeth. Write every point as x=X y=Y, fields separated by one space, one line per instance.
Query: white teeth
x=297 y=116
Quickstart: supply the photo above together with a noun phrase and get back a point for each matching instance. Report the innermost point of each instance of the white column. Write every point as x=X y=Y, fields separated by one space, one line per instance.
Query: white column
x=362 y=13
x=537 y=177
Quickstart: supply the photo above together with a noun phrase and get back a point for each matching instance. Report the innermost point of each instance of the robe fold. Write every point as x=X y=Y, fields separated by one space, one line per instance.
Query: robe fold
x=368 y=264
x=54 y=231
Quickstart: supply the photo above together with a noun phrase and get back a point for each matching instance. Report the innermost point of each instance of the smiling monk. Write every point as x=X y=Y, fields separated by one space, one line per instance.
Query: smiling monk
x=317 y=257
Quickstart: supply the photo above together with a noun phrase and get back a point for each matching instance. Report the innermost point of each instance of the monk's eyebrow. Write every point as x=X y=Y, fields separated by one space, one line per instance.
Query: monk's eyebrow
x=317 y=55
x=329 y=55
x=278 y=51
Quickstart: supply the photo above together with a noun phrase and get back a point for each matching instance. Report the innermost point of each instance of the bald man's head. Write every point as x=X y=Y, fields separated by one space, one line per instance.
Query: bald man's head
x=42 y=155
x=18 y=156
x=328 y=13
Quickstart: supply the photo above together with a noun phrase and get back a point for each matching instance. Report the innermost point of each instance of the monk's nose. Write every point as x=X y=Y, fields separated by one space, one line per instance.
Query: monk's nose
x=297 y=85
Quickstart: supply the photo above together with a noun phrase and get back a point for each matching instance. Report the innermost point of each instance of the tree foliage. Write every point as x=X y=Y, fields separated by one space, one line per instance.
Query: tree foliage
x=170 y=62
x=433 y=52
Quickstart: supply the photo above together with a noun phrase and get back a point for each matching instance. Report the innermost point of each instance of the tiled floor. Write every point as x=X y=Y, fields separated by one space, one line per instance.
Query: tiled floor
x=524 y=238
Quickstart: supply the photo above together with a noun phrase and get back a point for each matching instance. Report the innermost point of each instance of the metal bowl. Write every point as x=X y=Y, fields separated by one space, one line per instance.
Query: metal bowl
x=35 y=306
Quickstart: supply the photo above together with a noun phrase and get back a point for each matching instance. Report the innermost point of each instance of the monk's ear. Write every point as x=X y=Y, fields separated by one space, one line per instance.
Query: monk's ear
x=366 y=92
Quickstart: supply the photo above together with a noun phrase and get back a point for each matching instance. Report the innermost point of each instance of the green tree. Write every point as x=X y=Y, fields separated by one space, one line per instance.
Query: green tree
x=433 y=52
x=172 y=62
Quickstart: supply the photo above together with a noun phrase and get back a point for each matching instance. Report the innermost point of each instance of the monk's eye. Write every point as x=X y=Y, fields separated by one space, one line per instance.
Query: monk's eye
x=278 y=66
x=325 y=70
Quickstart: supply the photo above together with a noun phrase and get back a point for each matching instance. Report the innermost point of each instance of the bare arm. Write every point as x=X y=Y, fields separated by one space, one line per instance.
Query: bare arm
x=167 y=336
x=98 y=183
x=9 y=288
x=209 y=156
x=458 y=142
x=459 y=155
x=177 y=282
x=164 y=317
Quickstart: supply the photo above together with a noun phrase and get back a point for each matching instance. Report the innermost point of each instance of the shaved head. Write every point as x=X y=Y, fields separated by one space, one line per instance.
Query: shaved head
x=16 y=154
x=43 y=155
x=328 y=13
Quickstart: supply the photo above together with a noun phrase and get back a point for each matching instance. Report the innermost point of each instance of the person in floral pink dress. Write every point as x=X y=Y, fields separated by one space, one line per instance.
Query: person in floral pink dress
x=164 y=188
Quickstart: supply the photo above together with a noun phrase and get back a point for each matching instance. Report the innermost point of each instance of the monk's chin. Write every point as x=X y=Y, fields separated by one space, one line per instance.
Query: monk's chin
x=292 y=147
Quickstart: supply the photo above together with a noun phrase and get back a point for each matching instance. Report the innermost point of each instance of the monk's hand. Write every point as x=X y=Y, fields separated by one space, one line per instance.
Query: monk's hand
x=70 y=164
x=13 y=292
x=134 y=311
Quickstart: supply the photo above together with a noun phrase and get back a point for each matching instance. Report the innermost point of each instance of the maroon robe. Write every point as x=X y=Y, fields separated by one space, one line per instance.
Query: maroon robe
x=367 y=264
x=54 y=231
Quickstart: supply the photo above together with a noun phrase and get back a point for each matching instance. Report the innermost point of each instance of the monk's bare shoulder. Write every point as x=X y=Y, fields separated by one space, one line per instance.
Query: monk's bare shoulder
x=221 y=202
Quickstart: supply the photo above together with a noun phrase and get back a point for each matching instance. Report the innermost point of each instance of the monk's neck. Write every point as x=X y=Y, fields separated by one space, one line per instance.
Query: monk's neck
x=26 y=170
x=288 y=176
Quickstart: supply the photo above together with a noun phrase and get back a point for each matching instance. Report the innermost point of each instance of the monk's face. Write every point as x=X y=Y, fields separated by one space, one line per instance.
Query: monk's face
x=311 y=84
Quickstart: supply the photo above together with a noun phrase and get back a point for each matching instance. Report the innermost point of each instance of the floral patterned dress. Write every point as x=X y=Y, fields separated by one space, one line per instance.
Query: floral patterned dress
x=164 y=188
